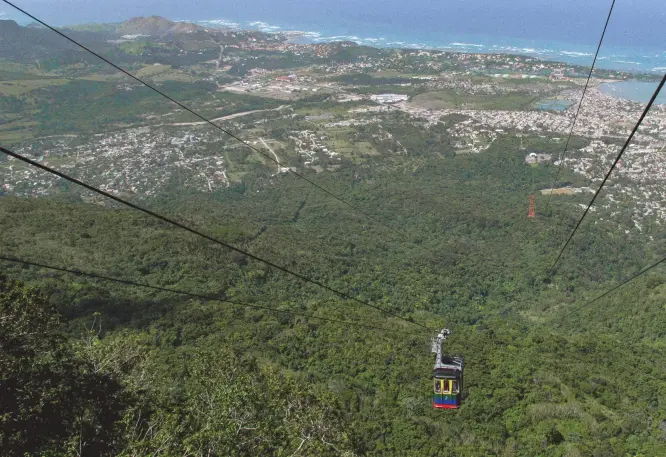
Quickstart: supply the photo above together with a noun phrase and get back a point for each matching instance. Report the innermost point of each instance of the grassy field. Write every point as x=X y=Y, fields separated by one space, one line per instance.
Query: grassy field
x=340 y=109
x=394 y=74
x=16 y=70
x=17 y=131
x=119 y=77
x=161 y=73
x=153 y=70
x=449 y=99
x=353 y=150
x=23 y=86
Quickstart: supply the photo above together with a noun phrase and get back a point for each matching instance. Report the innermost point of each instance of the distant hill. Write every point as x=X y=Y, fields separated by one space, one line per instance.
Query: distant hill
x=25 y=44
x=36 y=43
x=9 y=28
x=155 y=26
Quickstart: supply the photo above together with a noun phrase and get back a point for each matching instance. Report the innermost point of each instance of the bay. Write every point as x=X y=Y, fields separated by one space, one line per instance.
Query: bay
x=638 y=91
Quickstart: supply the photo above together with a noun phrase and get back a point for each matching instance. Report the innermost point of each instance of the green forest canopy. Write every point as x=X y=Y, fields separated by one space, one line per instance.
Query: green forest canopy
x=92 y=368
x=535 y=384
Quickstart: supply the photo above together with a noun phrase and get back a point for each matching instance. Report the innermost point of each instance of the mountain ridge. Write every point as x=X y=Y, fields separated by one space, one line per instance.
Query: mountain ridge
x=156 y=26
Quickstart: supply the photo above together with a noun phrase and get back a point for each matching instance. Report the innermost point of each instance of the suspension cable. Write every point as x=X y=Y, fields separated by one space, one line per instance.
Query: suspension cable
x=619 y=156
x=208 y=121
x=207 y=237
x=613 y=289
x=199 y=296
x=573 y=124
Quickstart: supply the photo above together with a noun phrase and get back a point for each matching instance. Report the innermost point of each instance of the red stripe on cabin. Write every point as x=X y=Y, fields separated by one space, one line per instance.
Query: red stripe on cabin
x=446 y=406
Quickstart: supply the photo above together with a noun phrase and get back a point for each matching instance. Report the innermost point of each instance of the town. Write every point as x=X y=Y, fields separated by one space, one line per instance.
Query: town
x=315 y=106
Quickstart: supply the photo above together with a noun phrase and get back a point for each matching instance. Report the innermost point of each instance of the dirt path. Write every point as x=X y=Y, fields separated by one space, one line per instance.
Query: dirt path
x=223 y=118
x=219 y=60
x=277 y=159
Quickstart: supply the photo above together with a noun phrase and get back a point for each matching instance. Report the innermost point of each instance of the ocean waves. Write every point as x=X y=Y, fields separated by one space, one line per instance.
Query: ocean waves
x=640 y=60
x=264 y=26
x=219 y=23
x=235 y=25
x=468 y=45
x=578 y=54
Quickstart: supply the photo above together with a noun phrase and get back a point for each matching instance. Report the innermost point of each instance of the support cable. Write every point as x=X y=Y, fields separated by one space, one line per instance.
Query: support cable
x=198 y=296
x=640 y=273
x=208 y=121
x=573 y=124
x=203 y=235
x=617 y=159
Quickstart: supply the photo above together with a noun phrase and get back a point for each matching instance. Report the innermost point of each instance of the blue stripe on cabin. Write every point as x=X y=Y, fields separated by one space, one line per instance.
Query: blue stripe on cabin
x=443 y=399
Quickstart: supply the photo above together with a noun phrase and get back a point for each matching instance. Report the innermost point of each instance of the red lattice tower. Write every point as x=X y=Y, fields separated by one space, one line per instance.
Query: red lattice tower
x=531 y=212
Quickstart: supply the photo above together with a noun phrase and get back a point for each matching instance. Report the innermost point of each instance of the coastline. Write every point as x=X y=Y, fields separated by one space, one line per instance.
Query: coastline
x=645 y=61
x=637 y=91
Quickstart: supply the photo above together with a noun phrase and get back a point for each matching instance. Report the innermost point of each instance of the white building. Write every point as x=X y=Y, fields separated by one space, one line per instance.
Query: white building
x=389 y=98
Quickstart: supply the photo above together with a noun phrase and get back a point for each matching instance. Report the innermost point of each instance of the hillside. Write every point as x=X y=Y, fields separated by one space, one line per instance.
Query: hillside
x=23 y=43
x=155 y=25
x=534 y=383
x=427 y=159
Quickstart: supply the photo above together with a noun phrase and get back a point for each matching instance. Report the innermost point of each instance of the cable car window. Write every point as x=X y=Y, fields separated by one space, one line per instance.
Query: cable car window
x=447 y=386
x=445 y=372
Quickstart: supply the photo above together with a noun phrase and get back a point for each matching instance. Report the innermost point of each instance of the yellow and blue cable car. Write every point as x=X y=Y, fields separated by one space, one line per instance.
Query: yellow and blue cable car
x=448 y=376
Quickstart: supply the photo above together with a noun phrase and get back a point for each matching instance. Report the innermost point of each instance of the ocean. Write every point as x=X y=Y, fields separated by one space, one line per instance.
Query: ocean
x=566 y=30
x=638 y=91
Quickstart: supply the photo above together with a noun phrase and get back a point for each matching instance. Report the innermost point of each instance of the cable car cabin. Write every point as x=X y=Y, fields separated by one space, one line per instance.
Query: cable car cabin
x=448 y=379
x=448 y=375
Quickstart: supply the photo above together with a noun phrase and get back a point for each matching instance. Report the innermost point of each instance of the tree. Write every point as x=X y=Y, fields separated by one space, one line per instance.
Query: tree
x=225 y=405
x=52 y=403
